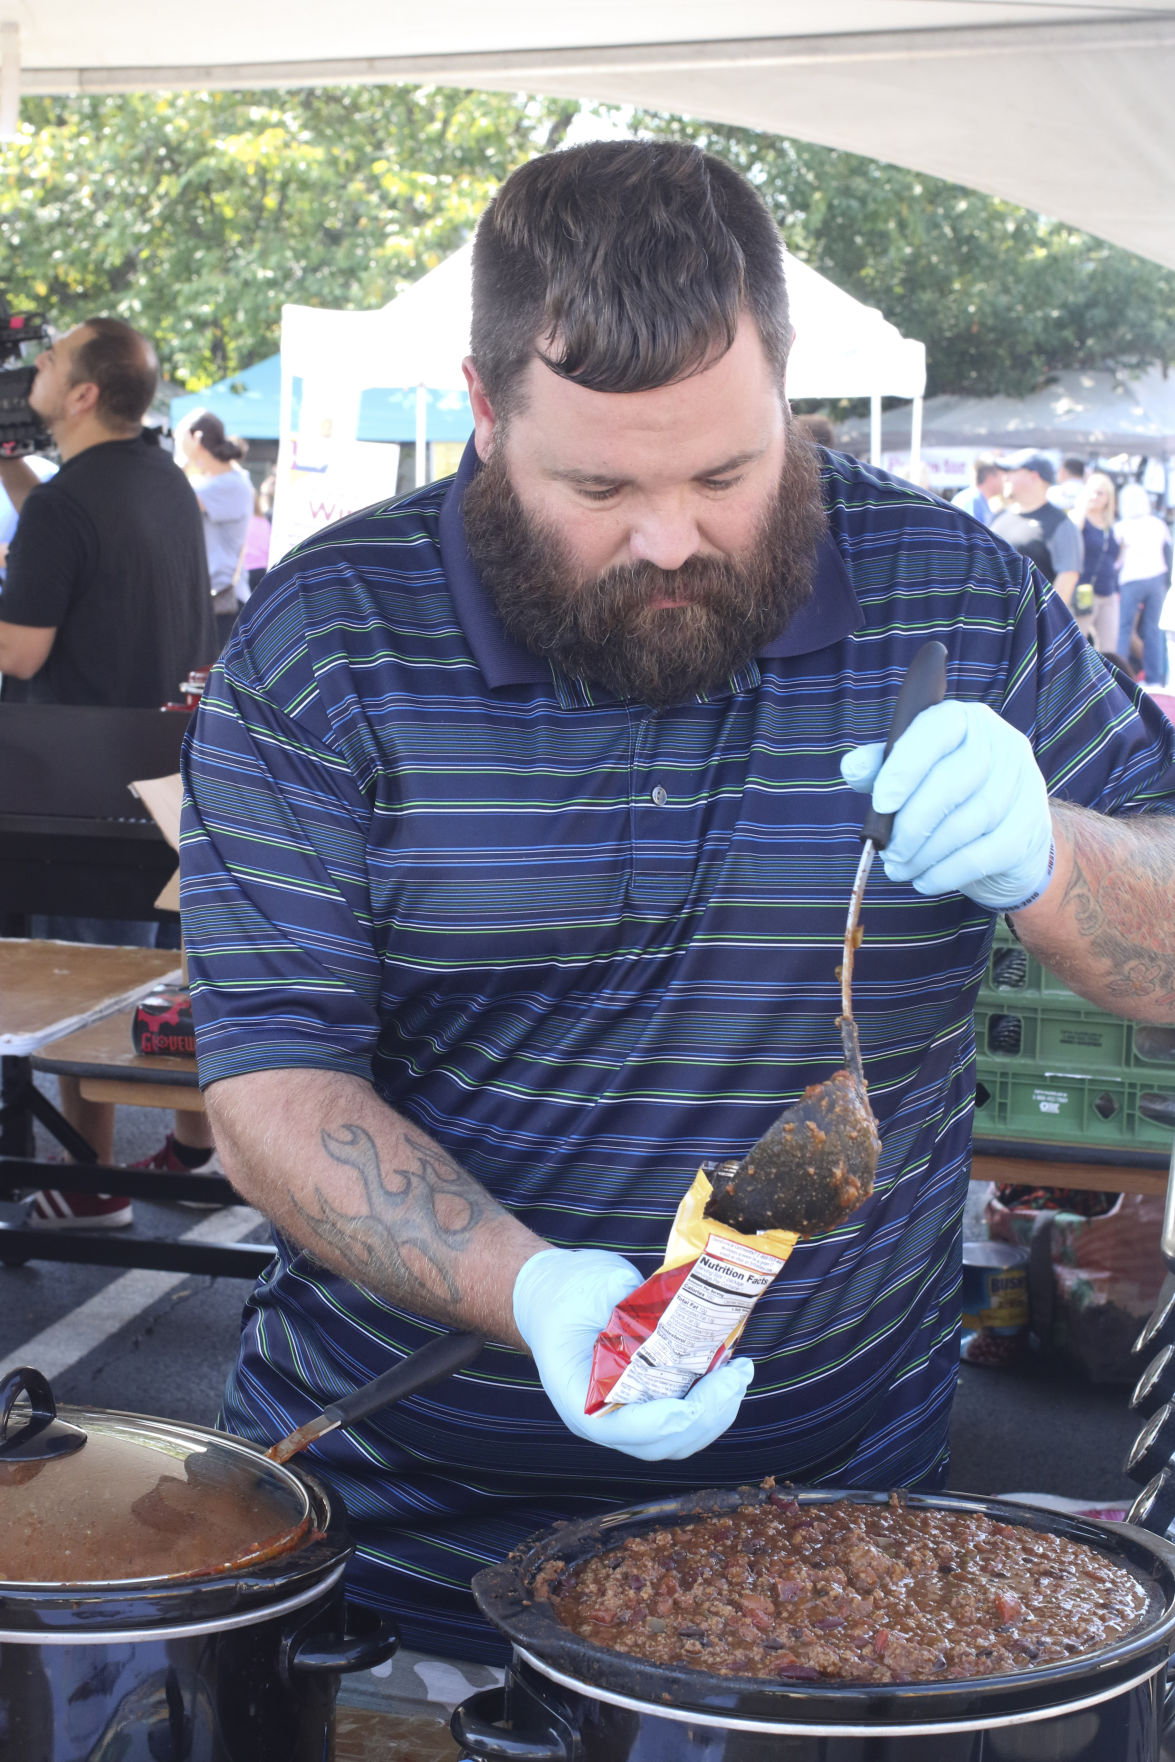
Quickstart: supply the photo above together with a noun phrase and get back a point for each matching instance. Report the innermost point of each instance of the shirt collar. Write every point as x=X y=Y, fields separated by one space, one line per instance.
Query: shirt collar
x=828 y=616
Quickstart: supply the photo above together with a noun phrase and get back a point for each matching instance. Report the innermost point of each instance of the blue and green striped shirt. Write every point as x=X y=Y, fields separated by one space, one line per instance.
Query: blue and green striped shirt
x=585 y=946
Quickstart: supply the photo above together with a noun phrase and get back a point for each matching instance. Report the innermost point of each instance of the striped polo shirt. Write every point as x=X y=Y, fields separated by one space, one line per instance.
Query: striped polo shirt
x=586 y=945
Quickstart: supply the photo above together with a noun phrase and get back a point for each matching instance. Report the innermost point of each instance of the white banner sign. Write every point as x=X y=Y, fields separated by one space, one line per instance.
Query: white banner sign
x=324 y=472
x=947 y=468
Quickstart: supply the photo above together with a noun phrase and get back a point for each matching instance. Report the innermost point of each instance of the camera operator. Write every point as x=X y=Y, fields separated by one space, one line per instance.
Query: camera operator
x=106 y=600
x=106 y=596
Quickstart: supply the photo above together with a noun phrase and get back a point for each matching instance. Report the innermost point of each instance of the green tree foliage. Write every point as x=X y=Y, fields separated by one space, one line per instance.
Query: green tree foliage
x=195 y=215
x=1001 y=297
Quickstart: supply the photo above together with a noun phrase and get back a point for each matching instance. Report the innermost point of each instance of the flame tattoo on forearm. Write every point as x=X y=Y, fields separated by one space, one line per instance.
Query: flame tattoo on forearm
x=421 y=1216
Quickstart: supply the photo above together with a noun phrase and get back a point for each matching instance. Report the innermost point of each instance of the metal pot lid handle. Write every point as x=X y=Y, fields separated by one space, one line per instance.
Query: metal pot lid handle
x=42 y=1435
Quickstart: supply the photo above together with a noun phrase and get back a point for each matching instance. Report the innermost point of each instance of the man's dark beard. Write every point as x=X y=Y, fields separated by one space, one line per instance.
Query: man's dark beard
x=606 y=630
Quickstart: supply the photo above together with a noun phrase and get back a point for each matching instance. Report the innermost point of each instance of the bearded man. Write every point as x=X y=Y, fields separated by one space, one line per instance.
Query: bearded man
x=520 y=830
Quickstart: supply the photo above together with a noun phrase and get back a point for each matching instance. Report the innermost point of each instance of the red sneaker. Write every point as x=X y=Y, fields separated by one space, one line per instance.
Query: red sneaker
x=53 y=1209
x=166 y=1162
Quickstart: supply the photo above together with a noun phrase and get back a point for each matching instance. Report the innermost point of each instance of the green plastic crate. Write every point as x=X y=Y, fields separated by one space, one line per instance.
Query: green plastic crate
x=1012 y=971
x=1030 y=1100
x=1026 y=1018
x=1071 y=1036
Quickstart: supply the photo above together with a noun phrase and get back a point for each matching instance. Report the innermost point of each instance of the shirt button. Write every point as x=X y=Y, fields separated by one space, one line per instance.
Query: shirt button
x=660 y=796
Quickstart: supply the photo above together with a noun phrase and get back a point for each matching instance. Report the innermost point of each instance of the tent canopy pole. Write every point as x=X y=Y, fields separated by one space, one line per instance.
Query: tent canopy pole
x=421 y=436
x=9 y=79
x=915 y=433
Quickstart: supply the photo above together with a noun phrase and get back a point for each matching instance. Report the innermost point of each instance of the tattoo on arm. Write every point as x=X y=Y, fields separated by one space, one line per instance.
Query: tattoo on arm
x=1120 y=900
x=420 y=1217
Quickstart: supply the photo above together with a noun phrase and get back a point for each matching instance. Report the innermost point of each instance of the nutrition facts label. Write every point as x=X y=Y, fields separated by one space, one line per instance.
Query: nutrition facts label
x=701 y=1320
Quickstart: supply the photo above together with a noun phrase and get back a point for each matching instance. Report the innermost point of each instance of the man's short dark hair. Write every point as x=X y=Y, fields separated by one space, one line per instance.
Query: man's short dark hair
x=818 y=429
x=121 y=362
x=1074 y=466
x=624 y=265
x=986 y=467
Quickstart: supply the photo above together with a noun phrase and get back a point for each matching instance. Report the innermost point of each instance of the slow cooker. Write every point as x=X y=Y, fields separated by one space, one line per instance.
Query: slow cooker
x=167 y=1593
x=567 y=1699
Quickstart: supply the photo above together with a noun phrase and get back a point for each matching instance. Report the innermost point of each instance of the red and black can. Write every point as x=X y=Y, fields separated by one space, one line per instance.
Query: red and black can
x=162 y=1024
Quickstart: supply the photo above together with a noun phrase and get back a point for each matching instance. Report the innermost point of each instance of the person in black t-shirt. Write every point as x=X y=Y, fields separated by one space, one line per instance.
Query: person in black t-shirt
x=106 y=598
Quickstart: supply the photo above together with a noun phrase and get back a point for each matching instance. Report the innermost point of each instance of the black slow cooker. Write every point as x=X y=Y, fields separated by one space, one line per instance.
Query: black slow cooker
x=568 y=1700
x=167 y=1593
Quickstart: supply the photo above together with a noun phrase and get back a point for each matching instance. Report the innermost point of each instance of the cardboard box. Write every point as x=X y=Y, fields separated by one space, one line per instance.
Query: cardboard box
x=163 y=797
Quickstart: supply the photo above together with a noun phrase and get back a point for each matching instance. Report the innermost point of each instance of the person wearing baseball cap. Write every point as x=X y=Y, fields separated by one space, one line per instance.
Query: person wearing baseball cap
x=1036 y=527
x=1039 y=464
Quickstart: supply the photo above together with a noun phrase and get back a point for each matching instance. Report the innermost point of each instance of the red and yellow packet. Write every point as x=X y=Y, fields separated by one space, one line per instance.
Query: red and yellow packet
x=686 y=1319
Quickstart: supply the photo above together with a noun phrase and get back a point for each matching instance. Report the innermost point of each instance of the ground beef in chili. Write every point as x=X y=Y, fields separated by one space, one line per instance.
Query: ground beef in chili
x=847 y=1592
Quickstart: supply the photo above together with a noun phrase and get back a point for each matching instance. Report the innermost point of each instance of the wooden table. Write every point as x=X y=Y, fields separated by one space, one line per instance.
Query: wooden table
x=102 y=1057
x=67 y=1007
x=49 y=988
x=1102 y=1177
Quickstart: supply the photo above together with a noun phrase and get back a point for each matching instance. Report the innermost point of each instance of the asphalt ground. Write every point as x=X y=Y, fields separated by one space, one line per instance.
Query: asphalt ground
x=142 y=1342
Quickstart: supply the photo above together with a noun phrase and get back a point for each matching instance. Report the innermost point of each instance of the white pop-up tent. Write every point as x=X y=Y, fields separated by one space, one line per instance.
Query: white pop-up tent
x=1079 y=411
x=843 y=349
x=1061 y=105
x=329 y=359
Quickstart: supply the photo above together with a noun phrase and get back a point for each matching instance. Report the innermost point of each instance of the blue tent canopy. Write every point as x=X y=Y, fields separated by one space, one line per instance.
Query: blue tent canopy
x=249 y=404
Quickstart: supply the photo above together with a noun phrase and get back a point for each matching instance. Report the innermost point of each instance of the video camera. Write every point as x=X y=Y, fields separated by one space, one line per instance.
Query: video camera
x=21 y=429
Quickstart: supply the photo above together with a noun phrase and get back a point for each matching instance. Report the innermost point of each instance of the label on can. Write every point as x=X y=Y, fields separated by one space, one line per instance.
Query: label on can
x=995 y=1287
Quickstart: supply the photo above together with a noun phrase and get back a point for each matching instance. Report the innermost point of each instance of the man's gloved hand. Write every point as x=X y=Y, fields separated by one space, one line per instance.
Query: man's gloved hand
x=971 y=807
x=562 y=1298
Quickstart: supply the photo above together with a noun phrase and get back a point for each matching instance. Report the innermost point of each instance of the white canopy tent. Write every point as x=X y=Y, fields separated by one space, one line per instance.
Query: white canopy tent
x=1083 y=412
x=843 y=349
x=1064 y=107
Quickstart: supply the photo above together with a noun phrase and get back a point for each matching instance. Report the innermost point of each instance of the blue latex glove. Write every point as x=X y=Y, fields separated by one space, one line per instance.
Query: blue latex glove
x=562 y=1298
x=971 y=807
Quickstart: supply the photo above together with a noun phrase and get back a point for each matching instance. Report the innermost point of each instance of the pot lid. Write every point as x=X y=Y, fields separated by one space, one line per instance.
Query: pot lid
x=91 y=1498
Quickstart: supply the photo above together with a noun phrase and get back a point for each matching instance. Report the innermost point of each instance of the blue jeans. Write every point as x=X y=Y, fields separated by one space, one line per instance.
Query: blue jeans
x=1145 y=596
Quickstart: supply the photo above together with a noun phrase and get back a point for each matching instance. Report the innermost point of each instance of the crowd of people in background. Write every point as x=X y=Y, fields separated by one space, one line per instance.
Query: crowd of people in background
x=1116 y=578
x=1103 y=544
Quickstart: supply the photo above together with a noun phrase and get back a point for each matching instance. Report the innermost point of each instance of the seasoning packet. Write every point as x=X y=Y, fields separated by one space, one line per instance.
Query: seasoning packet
x=686 y=1318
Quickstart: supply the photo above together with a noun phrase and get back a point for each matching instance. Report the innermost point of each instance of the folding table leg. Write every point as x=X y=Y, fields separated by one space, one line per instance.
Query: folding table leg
x=16 y=1119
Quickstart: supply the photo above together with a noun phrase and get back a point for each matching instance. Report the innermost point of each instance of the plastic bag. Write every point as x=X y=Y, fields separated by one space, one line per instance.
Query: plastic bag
x=1092 y=1280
